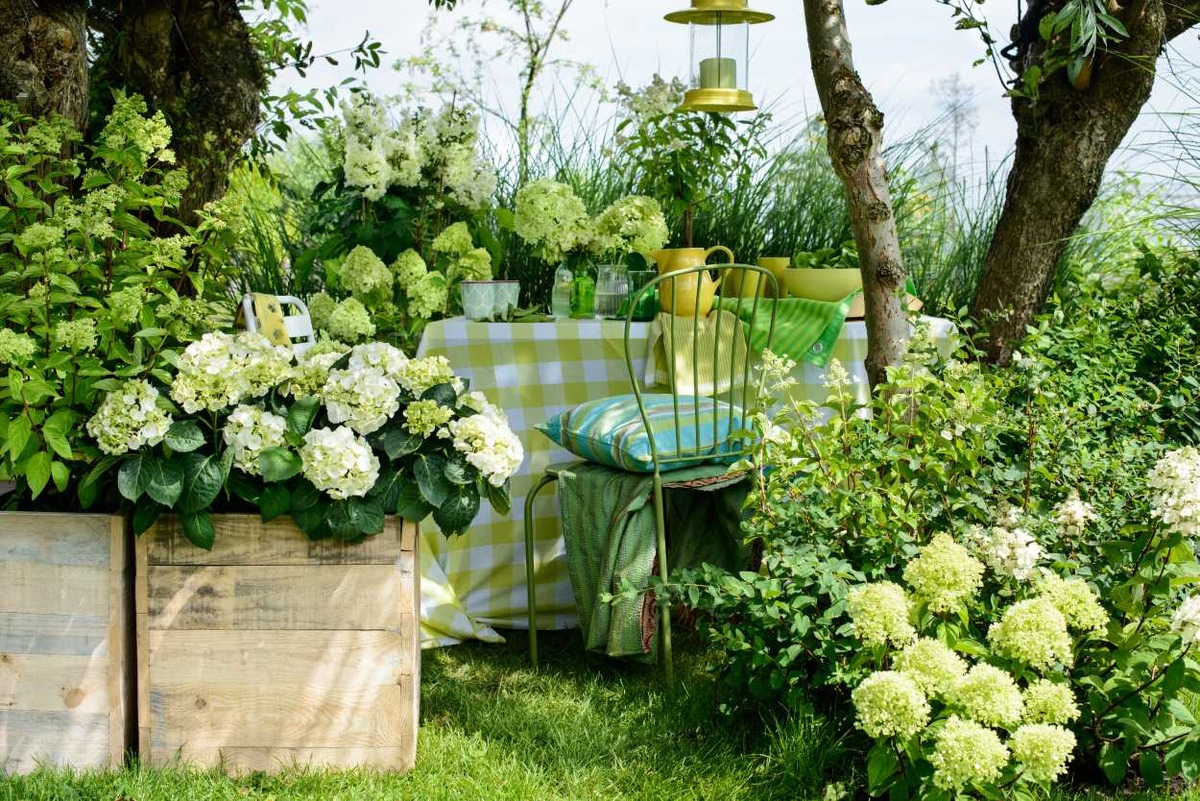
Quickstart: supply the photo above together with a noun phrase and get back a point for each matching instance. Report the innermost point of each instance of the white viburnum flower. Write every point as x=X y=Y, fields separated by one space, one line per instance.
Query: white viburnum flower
x=1074 y=514
x=1186 y=620
x=1176 y=477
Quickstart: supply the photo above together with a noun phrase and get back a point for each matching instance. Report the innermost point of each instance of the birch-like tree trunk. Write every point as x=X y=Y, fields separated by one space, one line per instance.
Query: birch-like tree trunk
x=855 y=136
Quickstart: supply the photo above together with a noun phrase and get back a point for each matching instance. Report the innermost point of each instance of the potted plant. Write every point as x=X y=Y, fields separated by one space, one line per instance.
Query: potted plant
x=98 y=284
x=243 y=625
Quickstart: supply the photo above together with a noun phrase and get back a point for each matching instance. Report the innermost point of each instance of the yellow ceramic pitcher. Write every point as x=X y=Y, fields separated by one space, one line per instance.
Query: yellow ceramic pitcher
x=681 y=300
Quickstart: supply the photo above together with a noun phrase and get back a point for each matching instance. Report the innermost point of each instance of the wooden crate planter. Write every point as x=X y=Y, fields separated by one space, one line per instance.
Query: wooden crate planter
x=271 y=651
x=66 y=637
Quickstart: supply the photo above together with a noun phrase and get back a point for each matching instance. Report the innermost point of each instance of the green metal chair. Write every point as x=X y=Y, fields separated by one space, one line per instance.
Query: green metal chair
x=734 y=394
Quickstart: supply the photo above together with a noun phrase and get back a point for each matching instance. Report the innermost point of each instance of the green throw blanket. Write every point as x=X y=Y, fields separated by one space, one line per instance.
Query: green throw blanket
x=805 y=330
x=608 y=525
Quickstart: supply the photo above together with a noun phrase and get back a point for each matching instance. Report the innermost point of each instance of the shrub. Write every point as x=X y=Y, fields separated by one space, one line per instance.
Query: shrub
x=90 y=291
x=1046 y=466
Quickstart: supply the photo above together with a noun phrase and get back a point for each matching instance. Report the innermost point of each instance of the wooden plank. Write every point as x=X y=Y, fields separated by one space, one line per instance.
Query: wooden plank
x=121 y=650
x=324 y=659
x=206 y=716
x=249 y=759
x=275 y=650
x=56 y=589
x=72 y=635
x=55 y=539
x=29 y=738
x=246 y=540
x=63 y=640
x=54 y=683
x=281 y=597
x=285 y=688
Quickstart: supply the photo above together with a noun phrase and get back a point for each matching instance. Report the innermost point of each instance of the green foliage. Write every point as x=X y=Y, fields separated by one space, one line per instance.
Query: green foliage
x=337 y=465
x=686 y=160
x=90 y=293
x=950 y=447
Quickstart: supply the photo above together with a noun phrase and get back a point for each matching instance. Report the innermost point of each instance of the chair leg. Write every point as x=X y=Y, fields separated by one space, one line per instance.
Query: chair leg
x=664 y=608
x=529 y=583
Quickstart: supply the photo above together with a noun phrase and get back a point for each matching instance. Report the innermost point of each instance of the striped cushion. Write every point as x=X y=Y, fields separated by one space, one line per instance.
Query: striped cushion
x=610 y=431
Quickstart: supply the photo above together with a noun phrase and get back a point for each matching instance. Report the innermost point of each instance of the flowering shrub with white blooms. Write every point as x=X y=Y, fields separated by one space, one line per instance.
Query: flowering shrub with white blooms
x=336 y=439
x=129 y=419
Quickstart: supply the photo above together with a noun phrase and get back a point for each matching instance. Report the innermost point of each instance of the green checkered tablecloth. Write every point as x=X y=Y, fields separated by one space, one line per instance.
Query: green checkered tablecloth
x=475 y=582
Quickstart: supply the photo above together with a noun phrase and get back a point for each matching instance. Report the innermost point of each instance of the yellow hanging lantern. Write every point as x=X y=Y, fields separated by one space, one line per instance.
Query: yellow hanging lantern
x=720 y=53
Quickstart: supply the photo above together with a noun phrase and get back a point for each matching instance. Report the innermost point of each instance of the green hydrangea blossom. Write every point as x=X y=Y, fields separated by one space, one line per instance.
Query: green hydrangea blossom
x=932 y=665
x=1049 y=702
x=350 y=321
x=966 y=753
x=453 y=241
x=1043 y=750
x=944 y=575
x=1034 y=633
x=890 y=704
x=1077 y=602
x=989 y=695
x=15 y=349
x=365 y=275
x=880 y=612
x=408 y=268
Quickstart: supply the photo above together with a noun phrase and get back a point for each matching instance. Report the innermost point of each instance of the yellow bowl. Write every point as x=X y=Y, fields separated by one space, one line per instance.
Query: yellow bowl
x=827 y=285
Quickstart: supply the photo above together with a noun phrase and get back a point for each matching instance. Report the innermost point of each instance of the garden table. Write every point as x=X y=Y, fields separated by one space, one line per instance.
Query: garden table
x=472 y=583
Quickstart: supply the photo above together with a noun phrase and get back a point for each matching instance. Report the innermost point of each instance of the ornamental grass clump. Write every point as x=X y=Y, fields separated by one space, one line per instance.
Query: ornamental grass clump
x=338 y=439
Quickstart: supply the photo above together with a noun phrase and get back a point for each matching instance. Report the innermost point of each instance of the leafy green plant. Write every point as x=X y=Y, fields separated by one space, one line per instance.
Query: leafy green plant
x=984 y=456
x=684 y=159
x=90 y=295
x=337 y=439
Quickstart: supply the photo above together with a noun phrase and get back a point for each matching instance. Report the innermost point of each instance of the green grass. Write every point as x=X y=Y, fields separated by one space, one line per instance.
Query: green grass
x=492 y=728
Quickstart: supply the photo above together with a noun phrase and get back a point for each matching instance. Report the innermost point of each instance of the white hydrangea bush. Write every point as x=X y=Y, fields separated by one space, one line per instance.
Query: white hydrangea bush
x=984 y=715
x=338 y=438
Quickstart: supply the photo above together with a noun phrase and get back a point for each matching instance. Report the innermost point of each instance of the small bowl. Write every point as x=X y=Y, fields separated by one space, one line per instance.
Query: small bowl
x=828 y=285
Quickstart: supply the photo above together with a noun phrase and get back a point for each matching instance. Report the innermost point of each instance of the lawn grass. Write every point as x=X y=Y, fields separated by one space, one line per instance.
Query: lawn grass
x=492 y=728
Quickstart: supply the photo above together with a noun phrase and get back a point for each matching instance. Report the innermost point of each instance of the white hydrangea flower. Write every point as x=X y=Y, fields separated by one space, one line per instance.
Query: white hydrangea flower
x=220 y=370
x=488 y=444
x=418 y=375
x=308 y=376
x=128 y=419
x=1176 y=476
x=380 y=356
x=338 y=462
x=364 y=398
x=248 y=432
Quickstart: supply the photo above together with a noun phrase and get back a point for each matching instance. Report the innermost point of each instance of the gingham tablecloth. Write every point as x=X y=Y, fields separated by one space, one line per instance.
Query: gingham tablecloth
x=475 y=582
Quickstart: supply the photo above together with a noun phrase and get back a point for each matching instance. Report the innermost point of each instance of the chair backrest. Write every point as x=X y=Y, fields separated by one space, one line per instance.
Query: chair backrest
x=715 y=349
x=294 y=314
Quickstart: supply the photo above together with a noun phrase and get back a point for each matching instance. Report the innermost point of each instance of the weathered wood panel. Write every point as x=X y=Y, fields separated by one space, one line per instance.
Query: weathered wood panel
x=65 y=636
x=246 y=540
x=278 y=597
x=269 y=652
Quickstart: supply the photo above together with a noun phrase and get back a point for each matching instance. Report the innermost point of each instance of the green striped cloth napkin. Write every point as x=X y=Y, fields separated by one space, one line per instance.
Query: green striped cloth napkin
x=805 y=330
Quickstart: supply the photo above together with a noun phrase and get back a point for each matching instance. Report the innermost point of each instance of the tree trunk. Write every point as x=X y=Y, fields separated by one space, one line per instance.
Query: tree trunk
x=855 y=133
x=1064 y=142
x=43 y=57
x=193 y=60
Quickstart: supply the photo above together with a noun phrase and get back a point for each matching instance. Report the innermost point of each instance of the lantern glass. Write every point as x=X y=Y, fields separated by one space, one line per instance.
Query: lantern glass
x=720 y=53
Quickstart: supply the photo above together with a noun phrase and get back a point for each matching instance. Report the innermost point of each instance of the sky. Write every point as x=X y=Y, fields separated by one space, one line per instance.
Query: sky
x=901 y=49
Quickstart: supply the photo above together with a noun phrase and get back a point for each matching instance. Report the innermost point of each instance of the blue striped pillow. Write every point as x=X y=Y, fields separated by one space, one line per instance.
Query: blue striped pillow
x=610 y=431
